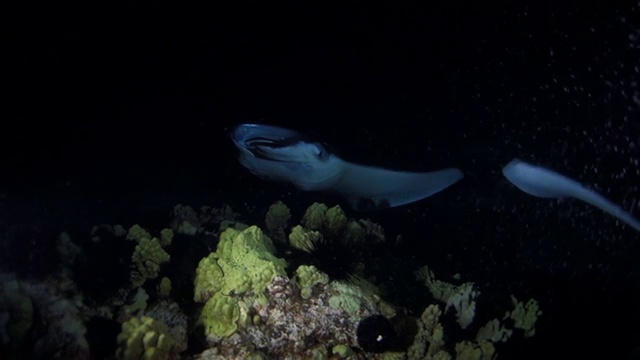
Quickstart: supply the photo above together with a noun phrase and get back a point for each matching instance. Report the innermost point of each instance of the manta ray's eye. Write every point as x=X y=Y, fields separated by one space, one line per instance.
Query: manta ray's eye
x=321 y=152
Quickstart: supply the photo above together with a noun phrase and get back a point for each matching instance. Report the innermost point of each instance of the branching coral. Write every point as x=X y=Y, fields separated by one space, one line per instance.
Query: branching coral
x=277 y=220
x=303 y=239
x=147 y=258
x=144 y=338
x=525 y=315
x=331 y=221
x=429 y=340
x=461 y=297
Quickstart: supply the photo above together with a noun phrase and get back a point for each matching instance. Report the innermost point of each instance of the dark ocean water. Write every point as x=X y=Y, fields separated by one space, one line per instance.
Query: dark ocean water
x=114 y=114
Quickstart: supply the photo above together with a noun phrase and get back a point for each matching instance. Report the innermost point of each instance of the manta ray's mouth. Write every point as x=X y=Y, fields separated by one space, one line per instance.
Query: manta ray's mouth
x=254 y=135
x=265 y=141
x=270 y=142
x=267 y=148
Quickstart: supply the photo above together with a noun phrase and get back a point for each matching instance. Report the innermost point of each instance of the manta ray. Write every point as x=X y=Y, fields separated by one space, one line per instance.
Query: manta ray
x=280 y=154
x=545 y=183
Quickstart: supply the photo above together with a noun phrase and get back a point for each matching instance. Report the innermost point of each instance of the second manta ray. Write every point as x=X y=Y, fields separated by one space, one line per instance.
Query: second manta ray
x=540 y=182
x=281 y=154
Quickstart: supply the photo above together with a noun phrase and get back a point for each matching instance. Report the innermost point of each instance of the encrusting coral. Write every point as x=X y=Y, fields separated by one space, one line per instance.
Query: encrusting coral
x=306 y=277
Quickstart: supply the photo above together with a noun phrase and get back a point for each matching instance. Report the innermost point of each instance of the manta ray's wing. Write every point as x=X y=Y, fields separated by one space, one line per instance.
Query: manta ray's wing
x=368 y=187
x=541 y=182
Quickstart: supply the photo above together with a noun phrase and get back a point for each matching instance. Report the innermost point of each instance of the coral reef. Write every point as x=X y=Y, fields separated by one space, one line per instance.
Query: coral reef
x=289 y=324
x=246 y=300
x=460 y=297
x=335 y=242
x=30 y=307
x=17 y=311
x=188 y=221
x=170 y=313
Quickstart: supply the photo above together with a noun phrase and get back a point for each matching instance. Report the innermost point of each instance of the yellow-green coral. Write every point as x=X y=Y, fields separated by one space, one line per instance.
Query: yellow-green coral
x=351 y=298
x=308 y=276
x=493 y=331
x=277 y=220
x=331 y=221
x=139 y=302
x=525 y=316
x=461 y=297
x=19 y=312
x=144 y=338
x=335 y=220
x=303 y=239
x=355 y=232
x=242 y=266
x=341 y=351
x=147 y=258
x=429 y=341
x=209 y=278
x=313 y=217
x=219 y=315
x=137 y=233
x=166 y=237
x=164 y=287
x=482 y=350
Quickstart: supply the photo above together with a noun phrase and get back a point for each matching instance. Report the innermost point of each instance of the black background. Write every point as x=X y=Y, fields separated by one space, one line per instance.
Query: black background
x=116 y=112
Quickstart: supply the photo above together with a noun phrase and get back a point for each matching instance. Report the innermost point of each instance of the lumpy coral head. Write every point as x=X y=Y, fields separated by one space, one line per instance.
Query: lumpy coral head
x=144 y=338
x=240 y=268
x=220 y=315
x=242 y=264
